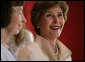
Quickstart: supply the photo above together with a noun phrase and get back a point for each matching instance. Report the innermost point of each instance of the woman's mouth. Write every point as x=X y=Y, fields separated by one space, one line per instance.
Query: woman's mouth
x=55 y=27
x=19 y=26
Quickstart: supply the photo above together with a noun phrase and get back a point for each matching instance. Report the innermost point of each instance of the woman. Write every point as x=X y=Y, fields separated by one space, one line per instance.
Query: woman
x=48 y=19
x=12 y=20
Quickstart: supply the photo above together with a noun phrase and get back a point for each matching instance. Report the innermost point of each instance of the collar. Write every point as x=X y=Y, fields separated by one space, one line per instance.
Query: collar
x=63 y=51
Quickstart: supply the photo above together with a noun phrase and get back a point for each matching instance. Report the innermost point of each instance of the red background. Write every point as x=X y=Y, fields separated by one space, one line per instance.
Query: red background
x=73 y=33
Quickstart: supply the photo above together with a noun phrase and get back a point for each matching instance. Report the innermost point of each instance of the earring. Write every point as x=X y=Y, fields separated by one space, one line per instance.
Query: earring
x=38 y=27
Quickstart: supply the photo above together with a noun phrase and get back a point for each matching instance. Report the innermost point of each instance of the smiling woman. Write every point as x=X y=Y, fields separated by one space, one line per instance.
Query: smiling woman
x=51 y=22
x=17 y=19
x=48 y=19
x=12 y=20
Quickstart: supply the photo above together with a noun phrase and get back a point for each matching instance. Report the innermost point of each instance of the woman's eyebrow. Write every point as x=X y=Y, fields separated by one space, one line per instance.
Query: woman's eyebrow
x=60 y=12
x=52 y=12
x=48 y=12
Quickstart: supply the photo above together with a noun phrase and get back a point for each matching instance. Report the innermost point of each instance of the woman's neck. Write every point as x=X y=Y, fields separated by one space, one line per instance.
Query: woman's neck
x=52 y=42
x=53 y=45
x=4 y=37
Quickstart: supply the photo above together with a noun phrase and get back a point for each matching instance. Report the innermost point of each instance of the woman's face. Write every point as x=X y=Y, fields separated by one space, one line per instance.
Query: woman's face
x=17 y=20
x=51 y=23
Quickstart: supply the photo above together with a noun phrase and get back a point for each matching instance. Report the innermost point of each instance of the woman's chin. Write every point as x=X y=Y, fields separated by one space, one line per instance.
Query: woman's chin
x=17 y=32
x=57 y=34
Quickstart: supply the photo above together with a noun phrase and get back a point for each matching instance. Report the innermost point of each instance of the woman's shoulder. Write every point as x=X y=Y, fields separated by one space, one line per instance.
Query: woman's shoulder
x=28 y=36
x=22 y=53
x=28 y=52
x=6 y=55
x=32 y=52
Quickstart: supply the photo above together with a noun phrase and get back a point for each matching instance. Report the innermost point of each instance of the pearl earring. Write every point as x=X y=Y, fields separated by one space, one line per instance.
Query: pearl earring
x=38 y=27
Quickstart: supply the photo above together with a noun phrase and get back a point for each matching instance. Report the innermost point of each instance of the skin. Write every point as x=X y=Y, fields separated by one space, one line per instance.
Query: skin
x=51 y=25
x=17 y=21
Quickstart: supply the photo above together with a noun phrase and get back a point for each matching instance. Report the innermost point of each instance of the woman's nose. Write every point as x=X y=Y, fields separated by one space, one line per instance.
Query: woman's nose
x=56 y=20
x=23 y=19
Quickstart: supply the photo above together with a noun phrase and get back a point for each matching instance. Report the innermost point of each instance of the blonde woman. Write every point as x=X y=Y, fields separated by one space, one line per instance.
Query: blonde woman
x=12 y=20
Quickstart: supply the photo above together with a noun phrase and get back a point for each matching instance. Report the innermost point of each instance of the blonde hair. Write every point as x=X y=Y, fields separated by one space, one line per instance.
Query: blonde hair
x=20 y=37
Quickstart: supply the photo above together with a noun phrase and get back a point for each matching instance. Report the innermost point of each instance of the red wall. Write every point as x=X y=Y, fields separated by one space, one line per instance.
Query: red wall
x=73 y=33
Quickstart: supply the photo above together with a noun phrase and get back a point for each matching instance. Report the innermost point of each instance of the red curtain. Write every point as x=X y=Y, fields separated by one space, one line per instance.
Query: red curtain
x=73 y=33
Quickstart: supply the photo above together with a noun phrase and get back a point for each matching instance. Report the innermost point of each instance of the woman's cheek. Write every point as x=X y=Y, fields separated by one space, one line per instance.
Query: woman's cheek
x=20 y=17
x=59 y=32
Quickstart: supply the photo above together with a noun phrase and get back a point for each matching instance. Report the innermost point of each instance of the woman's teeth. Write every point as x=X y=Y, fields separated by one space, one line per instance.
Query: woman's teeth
x=55 y=27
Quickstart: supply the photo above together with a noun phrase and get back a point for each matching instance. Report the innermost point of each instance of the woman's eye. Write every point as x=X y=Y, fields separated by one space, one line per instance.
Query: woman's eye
x=49 y=15
x=59 y=15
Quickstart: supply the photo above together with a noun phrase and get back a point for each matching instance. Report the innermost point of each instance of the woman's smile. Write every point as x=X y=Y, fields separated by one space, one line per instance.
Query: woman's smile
x=55 y=27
